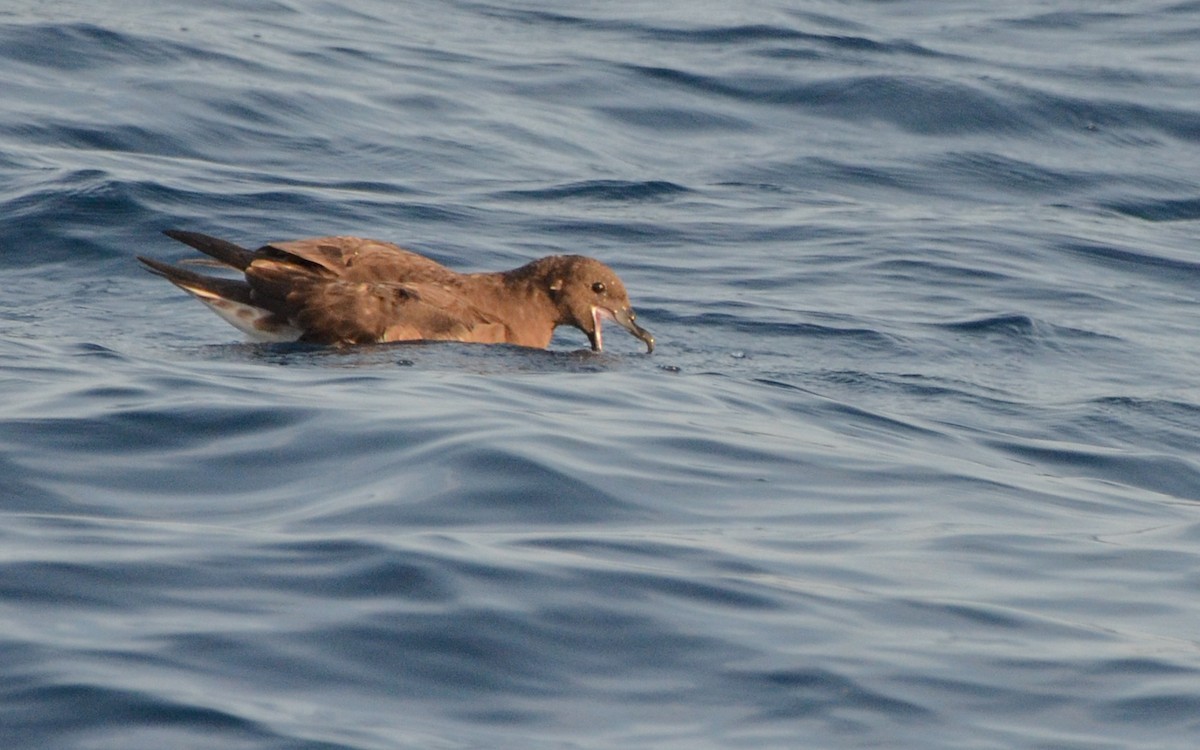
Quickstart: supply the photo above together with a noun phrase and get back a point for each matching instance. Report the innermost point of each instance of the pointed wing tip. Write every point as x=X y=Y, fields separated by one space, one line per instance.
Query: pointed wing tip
x=223 y=250
x=152 y=265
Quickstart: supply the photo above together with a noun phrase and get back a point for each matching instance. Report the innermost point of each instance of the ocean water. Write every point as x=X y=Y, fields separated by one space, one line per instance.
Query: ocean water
x=915 y=464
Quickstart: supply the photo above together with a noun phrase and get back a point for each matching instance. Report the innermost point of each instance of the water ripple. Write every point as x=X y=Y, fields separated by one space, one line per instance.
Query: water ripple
x=912 y=466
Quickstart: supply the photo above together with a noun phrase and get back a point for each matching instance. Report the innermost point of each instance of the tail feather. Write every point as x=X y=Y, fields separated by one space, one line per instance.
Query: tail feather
x=223 y=250
x=231 y=299
x=198 y=284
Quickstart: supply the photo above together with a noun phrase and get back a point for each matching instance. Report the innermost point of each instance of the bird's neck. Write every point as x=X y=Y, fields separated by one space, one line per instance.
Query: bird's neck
x=521 y=299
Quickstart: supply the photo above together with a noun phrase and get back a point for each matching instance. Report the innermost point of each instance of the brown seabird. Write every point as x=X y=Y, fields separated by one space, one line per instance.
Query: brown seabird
x=351 y=290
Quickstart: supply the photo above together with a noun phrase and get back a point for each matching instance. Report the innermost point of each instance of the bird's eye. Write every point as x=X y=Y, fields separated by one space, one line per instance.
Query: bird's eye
x=598 y=287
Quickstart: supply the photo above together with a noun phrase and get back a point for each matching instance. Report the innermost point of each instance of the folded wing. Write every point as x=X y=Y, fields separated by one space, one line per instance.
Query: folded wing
x=333 y=302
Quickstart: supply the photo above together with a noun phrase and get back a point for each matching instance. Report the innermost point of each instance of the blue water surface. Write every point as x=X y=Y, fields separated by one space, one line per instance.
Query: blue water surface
x=915 y=464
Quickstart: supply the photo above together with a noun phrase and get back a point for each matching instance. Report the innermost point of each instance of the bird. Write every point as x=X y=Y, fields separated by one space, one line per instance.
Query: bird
x=343 y=291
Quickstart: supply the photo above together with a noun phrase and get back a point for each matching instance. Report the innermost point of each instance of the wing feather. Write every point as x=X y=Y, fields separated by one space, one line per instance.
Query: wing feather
x=347 y=312
x=361 y=259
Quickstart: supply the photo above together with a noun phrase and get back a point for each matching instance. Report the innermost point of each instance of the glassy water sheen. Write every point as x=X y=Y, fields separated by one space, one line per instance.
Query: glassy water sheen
x=914 y=465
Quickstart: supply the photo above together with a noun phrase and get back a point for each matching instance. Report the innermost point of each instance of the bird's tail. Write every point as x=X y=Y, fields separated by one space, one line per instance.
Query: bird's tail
x=229 y=298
